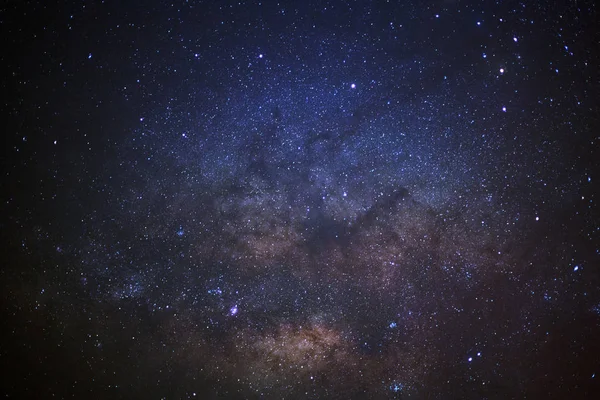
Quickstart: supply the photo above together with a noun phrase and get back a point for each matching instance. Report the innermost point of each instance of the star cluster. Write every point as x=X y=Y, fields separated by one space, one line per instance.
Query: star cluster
x=340 y=199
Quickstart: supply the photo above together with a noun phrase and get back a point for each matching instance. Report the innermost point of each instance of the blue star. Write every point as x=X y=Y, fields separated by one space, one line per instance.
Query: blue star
x=396 y=387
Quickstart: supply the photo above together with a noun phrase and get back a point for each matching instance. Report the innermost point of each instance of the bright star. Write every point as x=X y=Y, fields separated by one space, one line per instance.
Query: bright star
x=396 y=387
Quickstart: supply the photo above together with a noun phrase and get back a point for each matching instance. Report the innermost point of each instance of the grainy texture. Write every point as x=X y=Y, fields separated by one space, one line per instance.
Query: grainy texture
x=308 y=199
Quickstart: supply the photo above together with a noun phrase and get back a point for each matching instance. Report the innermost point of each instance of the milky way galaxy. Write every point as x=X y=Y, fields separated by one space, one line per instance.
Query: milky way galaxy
x=340 y=199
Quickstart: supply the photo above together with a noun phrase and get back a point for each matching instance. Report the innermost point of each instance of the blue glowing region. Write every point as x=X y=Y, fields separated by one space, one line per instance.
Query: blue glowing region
x=396 y=387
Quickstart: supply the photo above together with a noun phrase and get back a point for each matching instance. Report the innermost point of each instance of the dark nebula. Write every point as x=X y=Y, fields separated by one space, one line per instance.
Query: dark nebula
x=307 y=199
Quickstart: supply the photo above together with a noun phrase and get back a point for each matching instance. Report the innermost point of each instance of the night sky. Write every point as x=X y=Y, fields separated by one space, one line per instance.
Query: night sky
x=302 y=199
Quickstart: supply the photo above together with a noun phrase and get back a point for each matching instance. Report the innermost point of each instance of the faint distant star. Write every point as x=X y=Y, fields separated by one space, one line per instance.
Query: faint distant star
x=180 y=232
x=504 y=109
x=576 y=268
x=501 y=70
x=353 y=86
x=470 y=359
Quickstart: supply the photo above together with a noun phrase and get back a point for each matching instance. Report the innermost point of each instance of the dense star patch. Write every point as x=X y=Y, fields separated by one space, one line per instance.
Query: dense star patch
x=300 y=200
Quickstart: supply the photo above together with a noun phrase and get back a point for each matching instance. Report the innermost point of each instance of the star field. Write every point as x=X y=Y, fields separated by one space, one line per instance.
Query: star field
x=339 y=199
